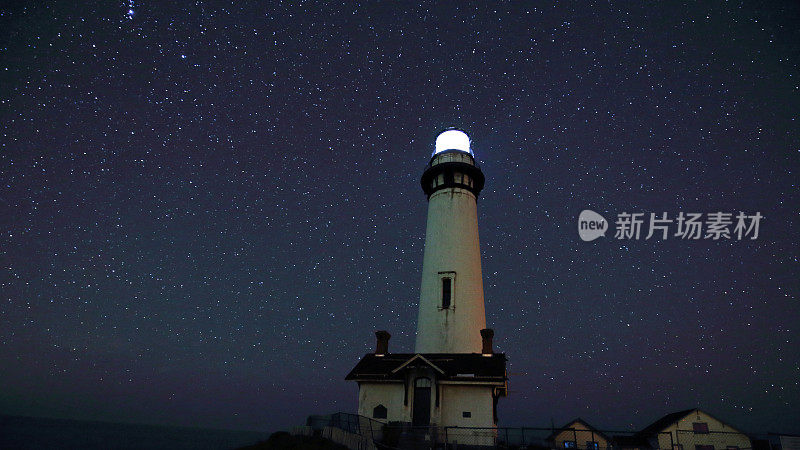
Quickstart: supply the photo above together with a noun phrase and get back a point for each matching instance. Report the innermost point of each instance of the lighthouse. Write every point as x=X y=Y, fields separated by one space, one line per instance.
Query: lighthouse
x=451 y=311
x=453 y=378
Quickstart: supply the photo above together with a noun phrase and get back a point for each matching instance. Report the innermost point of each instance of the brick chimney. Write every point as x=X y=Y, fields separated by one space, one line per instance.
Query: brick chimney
x=382 y=346
x=487 y=334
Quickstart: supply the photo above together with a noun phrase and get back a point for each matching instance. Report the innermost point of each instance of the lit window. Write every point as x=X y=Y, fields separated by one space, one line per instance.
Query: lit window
x=570 y=444
x=592 y=445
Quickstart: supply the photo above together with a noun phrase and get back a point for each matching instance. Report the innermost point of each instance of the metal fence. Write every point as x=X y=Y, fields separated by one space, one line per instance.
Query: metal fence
x=398 y=435
x=551 y=438
x=351 y=423
x=711 y=440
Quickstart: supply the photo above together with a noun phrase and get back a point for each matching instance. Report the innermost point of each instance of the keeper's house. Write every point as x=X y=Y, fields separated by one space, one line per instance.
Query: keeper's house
x=693 y=429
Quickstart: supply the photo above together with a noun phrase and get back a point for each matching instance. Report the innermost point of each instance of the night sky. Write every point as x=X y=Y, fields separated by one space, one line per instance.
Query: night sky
x=209 y=207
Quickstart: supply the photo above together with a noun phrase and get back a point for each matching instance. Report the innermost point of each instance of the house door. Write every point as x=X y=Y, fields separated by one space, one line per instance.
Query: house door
x=422 y=402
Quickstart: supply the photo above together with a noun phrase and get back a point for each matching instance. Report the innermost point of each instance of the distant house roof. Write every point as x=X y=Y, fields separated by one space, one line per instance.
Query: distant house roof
x=572 y=422
x=669 y=419
x=664 y=422
x=450 y=366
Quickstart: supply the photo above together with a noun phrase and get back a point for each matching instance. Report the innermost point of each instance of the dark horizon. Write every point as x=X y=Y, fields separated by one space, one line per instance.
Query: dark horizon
x=19 y=432
x=209 y=209
x=143 y=424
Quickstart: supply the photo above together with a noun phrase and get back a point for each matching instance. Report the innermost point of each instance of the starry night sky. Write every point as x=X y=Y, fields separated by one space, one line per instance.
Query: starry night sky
x=209 y=207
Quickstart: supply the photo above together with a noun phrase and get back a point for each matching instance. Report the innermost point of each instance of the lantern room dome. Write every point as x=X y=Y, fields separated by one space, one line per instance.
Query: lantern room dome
x=452 y=140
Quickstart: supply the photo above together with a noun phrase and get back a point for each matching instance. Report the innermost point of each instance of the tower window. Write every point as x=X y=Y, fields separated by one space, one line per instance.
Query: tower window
x=447 y=289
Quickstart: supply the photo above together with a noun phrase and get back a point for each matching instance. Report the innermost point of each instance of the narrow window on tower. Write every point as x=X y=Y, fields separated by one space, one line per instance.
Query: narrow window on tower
x=447 y=289
x=447 y=295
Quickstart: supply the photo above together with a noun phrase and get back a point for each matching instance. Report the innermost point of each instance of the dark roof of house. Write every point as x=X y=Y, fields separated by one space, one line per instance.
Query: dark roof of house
x=664 y=422
x=568 y=426
x=453 y=366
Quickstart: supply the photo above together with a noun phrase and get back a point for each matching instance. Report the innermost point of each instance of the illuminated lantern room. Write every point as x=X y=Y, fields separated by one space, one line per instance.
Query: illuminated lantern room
x=452 y=140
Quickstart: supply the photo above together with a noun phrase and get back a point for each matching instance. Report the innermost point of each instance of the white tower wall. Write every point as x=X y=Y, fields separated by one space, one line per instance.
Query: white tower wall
x=451 y=252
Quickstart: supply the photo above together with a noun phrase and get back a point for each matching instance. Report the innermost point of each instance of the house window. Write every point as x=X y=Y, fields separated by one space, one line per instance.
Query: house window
x=592 y=445
x=379 y=412
x=570 y=444
x=447 y=289
x=700 y=427
x=466 y=414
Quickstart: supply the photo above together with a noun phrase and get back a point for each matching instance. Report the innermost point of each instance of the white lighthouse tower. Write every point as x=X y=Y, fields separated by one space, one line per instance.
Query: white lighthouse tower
x=454 y=378
x=451 y=311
